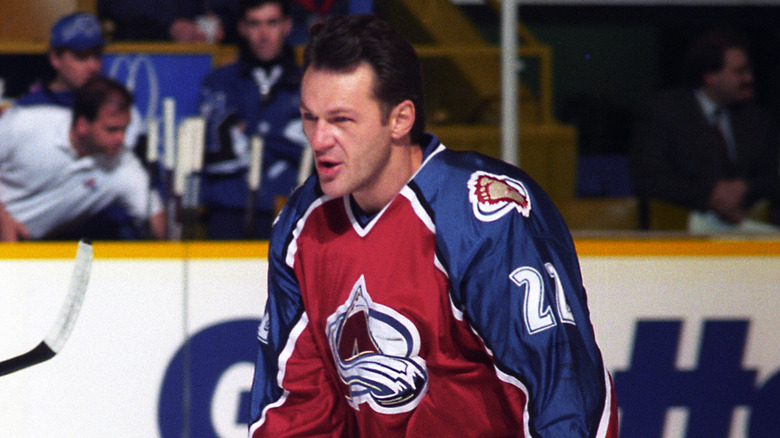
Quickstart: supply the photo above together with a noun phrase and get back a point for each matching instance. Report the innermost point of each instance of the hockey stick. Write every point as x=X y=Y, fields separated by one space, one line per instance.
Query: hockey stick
x=253 y=181
x=196 y=136
x=181 y=172
x=152 y=166
x=169 y=164
x=59 y=332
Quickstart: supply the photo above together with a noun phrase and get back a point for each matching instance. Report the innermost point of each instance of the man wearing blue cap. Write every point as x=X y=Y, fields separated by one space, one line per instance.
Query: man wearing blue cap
x=75 y=54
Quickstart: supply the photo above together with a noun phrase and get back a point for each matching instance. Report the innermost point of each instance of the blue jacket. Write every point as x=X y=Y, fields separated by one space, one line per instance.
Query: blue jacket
x=44 y=96
x=235 y=110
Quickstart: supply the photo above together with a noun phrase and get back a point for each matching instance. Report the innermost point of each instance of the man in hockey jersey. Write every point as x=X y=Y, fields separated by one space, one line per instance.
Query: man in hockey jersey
x=416 y=291
x=256 y=96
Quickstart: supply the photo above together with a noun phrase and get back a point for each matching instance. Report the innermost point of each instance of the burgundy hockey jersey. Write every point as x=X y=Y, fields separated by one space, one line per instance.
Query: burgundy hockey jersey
x=457 y=310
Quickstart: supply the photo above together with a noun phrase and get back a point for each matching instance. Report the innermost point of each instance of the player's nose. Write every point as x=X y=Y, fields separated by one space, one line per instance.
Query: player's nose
x=321 y=136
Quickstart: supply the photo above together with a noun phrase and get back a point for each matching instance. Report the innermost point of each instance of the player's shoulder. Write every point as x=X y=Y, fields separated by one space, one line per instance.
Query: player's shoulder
x=469 y=190
x=471 y=177
x=307 y=196
x=464 y=163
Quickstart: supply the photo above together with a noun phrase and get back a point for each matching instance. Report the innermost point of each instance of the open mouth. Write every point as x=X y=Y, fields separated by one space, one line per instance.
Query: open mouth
x=328 y=169
x=327 y=164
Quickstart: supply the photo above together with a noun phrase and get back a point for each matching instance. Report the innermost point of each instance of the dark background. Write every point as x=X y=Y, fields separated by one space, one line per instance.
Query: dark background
x=607 y=59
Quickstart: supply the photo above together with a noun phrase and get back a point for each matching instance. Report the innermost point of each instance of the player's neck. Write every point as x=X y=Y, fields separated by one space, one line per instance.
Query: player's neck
x=405 y=160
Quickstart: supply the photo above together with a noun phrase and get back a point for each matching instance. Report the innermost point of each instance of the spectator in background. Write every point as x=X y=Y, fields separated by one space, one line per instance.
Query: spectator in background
x=198 y=21
x=256 y=95
x=708 y=147
x=57 y=180
x=185 y=21
x=76 y=56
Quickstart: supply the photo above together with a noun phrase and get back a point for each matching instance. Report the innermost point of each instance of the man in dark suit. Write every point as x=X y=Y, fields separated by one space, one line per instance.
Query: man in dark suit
x=707 y=146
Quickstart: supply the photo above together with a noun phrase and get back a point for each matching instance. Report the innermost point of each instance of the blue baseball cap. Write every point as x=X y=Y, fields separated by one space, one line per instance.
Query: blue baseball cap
x=77 y=32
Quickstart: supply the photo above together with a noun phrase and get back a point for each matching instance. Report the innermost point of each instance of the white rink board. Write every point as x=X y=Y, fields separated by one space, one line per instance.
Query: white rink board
x=107 y=380
x=693 y=289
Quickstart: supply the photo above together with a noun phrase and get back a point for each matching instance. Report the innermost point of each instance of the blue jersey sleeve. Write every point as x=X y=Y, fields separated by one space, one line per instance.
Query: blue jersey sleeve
x=291 y=392
x=515 y=275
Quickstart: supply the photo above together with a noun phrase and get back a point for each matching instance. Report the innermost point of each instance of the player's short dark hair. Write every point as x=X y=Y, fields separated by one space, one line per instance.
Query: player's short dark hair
x=341 y=43
x=247 y=5
x=98 y=92
x=706 y=54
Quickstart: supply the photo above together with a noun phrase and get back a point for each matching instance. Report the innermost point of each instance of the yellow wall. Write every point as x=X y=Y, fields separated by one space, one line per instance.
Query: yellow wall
x=30 y=20
x=640 y=246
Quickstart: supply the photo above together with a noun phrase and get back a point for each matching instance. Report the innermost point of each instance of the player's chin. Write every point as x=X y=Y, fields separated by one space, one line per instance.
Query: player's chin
x=332 y=188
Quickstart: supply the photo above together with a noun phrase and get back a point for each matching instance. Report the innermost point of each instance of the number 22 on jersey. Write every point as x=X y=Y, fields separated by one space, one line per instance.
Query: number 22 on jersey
x=538 y=315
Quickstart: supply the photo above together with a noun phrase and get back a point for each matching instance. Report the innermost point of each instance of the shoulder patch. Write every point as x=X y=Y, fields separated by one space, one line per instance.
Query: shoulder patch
x=493 y=196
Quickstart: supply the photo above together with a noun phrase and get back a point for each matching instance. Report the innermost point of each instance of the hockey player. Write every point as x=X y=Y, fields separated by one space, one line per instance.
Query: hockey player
x=416 y=291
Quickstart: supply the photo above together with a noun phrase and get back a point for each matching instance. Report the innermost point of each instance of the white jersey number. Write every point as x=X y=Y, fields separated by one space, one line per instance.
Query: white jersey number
x=537 y=314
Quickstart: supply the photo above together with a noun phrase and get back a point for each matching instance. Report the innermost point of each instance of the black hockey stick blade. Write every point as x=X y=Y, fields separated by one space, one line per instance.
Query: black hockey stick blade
x=59 y=332
x=39 y=354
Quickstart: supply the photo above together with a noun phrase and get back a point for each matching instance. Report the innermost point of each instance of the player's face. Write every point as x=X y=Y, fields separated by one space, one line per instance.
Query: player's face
x=265 y=29
x=106 y=135
x=733 y=83
x=74 y=69
x=350 y=136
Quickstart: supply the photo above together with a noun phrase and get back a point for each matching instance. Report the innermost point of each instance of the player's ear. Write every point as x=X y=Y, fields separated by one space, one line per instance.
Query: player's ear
x=402 y=119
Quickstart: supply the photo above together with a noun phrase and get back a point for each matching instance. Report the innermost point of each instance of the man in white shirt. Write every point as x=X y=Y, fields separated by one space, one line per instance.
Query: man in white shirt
x=55 y=178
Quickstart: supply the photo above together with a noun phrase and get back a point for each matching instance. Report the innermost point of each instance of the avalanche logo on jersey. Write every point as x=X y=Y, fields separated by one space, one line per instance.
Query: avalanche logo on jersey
x=376 y=353
x=493 y=196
